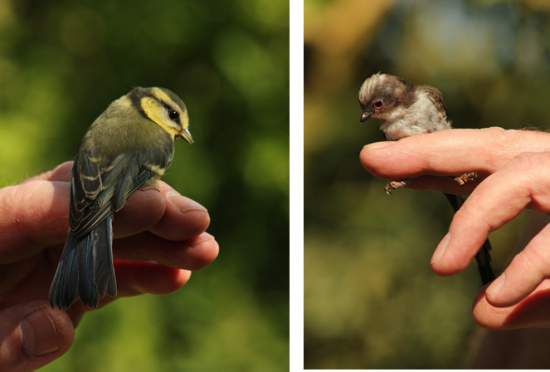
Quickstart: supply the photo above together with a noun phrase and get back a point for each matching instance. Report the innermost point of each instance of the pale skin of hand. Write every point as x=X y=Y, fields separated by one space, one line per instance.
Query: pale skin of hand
x=513 y=174
x=159 y=238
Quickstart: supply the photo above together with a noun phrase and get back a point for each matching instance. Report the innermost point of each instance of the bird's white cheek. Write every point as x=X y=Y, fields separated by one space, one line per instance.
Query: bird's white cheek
x=398 y=113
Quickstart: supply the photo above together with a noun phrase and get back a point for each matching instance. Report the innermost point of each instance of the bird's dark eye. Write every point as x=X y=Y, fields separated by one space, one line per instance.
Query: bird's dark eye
x=378 y=104
x=173 y=114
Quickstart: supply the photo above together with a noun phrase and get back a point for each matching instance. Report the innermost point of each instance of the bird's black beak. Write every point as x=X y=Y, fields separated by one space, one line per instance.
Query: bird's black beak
x=366 y=116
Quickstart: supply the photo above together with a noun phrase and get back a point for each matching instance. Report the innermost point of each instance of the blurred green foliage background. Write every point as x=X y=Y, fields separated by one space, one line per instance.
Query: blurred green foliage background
x=62 y=62
x=371 y=299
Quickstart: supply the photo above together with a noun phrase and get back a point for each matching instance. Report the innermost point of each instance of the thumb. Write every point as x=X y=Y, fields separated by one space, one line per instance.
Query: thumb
x=32 y=335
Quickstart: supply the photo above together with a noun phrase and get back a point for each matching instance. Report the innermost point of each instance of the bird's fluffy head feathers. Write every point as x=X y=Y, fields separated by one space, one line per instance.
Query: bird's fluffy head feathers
x=387 y=88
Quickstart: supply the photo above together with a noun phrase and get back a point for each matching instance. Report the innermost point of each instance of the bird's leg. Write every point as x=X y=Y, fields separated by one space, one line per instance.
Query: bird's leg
x=395 y=185
x=465 y=178
x=461 y=180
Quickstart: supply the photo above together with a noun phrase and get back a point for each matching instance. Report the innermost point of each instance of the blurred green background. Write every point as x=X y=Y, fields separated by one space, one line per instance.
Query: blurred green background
x=63 y=62
x=371 y=299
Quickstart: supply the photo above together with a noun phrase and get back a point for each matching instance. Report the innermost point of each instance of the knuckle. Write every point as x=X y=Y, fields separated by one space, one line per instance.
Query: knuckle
x=466 y=215
x=533 y=261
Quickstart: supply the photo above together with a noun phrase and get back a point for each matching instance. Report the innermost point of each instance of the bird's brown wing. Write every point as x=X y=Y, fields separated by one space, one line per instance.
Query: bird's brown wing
x=435 y=96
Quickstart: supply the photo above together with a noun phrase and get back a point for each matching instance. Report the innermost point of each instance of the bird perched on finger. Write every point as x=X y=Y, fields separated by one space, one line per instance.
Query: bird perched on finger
x=128 y=146
x=405 y=110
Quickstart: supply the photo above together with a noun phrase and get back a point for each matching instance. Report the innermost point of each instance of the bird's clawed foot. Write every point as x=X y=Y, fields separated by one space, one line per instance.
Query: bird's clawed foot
x=393 y=185
x=465 y=178
x=461 y=180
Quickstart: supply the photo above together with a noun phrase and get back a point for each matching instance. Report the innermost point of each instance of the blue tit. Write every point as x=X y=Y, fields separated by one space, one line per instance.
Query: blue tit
x=128 y=146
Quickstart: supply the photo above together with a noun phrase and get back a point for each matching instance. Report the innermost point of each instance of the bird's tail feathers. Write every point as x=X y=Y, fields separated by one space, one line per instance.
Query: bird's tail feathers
x=86 y=269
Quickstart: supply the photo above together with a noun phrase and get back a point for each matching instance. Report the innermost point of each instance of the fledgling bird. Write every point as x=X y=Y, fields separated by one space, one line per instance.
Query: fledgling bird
x=128 y=146
x=405 y=110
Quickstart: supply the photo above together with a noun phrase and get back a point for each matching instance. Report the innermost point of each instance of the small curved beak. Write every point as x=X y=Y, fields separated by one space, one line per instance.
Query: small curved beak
x=186 y=135
x=365 y=117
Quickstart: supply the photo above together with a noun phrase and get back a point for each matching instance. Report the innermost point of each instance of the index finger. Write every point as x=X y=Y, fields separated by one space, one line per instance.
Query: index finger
x=62 y=173
x=183 y=218
x=34 y=214
x=450 y=152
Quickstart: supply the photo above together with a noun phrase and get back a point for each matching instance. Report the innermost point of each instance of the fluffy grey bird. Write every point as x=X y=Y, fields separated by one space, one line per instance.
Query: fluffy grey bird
x=405 y=110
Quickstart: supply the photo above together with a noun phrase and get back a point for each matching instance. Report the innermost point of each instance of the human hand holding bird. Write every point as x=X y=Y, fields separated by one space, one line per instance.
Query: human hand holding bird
x=151 y=256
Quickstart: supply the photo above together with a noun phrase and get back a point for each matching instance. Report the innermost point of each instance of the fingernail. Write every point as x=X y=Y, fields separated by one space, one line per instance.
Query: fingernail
x=379 y=145
x=203 y=239
x=38 y=334
x=147 y=188
x=184 y=204
x=496 y=285
x=441 y=248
